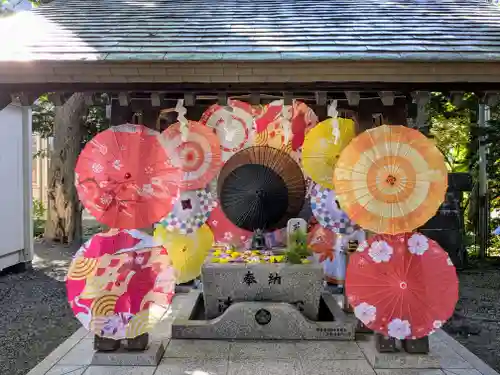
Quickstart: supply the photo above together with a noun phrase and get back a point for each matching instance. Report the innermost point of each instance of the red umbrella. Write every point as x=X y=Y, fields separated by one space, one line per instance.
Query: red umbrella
x=403 y=286
x=225 y=232
x=123 y=177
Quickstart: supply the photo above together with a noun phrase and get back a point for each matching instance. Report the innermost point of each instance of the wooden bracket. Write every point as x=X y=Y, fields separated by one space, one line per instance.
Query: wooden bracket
x=189 y=99
x=222 y=98
x=287 y=98
x=155 y=99
x=123 y=99
x=353 y=98
x=321 y=97
x=255 y=98
x=387 y=98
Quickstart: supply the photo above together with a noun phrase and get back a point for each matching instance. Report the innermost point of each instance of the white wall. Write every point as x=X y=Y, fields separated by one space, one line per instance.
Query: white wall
x=11 y=185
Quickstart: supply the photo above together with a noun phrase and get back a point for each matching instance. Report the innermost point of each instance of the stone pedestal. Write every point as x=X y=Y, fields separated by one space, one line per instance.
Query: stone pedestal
x=297 y=284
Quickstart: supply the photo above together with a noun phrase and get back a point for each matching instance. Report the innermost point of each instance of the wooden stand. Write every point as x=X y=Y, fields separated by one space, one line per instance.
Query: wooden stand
x=385 y=344
x=417 y=346
x=102 y=344
x=353 y=245
x=139 y=343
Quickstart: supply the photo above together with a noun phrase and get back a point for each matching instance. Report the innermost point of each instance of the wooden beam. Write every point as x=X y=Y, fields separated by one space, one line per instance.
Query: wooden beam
x=255 y=98
x=5 y=100
x=25 y=98
x=287 y=98
x=58 y=98
x=244 y=87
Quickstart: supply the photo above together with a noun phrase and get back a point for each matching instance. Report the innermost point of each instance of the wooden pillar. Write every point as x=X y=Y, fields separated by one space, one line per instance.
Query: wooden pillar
x=484 y=212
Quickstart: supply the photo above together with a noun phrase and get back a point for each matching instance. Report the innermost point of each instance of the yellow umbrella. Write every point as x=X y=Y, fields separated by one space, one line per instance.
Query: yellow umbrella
x=187 y=252
x=321 y=150
x=391 y=179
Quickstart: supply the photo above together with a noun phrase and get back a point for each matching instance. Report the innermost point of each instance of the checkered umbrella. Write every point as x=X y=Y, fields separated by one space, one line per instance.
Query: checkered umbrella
x=190 y=211
x=326 y=210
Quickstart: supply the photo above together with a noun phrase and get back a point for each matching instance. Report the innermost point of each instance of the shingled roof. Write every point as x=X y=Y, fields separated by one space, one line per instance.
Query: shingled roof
x=229 y=30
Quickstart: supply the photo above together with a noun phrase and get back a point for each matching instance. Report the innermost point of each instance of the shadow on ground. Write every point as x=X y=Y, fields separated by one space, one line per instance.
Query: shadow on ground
x=476 y=321
x=35 y=317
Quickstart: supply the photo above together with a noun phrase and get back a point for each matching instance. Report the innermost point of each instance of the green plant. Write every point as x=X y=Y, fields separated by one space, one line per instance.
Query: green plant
x=297 y=249
x=38 y=217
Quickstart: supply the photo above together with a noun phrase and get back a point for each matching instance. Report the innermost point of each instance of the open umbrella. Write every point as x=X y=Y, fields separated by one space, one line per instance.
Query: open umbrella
x=233 y=125
x=123 y=178
x=321 y=150
x=190 y=211
x=261 y=188
x=198 y=156
x=225 y=232
x=391 y=179
x=326 y=210
x=187 y=251
x=403 y=286
x=120 y=284
x=269 y=125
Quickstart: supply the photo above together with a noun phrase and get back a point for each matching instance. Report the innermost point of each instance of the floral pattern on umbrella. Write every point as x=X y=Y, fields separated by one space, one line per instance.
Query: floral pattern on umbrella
x=234 y=125
x=117 y=288
x=403 y=286
x=198 y=156
x=123 y=178
x=225 y=232
x=391 y=179
x=190 y=211
x=326 y=210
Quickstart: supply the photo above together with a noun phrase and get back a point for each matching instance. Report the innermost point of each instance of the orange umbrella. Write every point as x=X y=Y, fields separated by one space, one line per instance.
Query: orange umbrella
x=391 y=179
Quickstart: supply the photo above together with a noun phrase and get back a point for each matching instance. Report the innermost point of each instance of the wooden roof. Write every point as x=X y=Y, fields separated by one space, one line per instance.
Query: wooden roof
x=263 y=30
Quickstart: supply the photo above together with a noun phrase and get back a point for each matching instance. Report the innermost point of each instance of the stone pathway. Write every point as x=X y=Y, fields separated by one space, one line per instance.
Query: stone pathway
x=204 y=357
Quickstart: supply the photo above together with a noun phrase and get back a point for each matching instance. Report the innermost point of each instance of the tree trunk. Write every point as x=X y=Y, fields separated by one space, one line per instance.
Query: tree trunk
x=64 y=221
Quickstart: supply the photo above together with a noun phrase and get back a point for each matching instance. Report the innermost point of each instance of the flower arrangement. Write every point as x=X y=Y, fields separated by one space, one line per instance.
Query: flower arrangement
x=247 y=256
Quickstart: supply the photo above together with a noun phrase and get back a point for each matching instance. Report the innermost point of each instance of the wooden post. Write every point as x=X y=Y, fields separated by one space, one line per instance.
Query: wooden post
x=483 y=222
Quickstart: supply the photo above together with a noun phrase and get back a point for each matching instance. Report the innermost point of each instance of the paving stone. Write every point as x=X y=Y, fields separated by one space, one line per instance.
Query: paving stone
x=66 y=370
x=190 y=366
x=408 y=371
x=53 y=357
x=199 y=349
x=448 y=358
x=458 y=371
x=263 y=350
x=119 y=370
x=80 y=354
x=315 y=350
x=340 y=367
x=264 y=367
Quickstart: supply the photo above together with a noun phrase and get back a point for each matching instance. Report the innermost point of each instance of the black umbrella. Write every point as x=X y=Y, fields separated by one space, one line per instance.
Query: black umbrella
x=261 y=188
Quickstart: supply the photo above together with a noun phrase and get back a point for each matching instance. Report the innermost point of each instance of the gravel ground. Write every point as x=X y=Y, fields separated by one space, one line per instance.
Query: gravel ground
x=476 y=322
x=35 y=317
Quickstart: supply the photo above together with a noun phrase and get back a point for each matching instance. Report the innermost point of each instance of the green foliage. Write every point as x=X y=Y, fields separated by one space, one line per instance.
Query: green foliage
x=38 y=217
x=455 y=131
x=94 y=120
x=297 y=249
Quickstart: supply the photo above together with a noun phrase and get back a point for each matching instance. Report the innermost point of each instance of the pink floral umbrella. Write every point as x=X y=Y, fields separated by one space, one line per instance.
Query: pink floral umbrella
x=120 y=284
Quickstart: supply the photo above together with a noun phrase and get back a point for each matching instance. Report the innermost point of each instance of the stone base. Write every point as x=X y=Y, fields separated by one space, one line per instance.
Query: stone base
x=398 y=359
x=263 y=321
x=122 y=357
